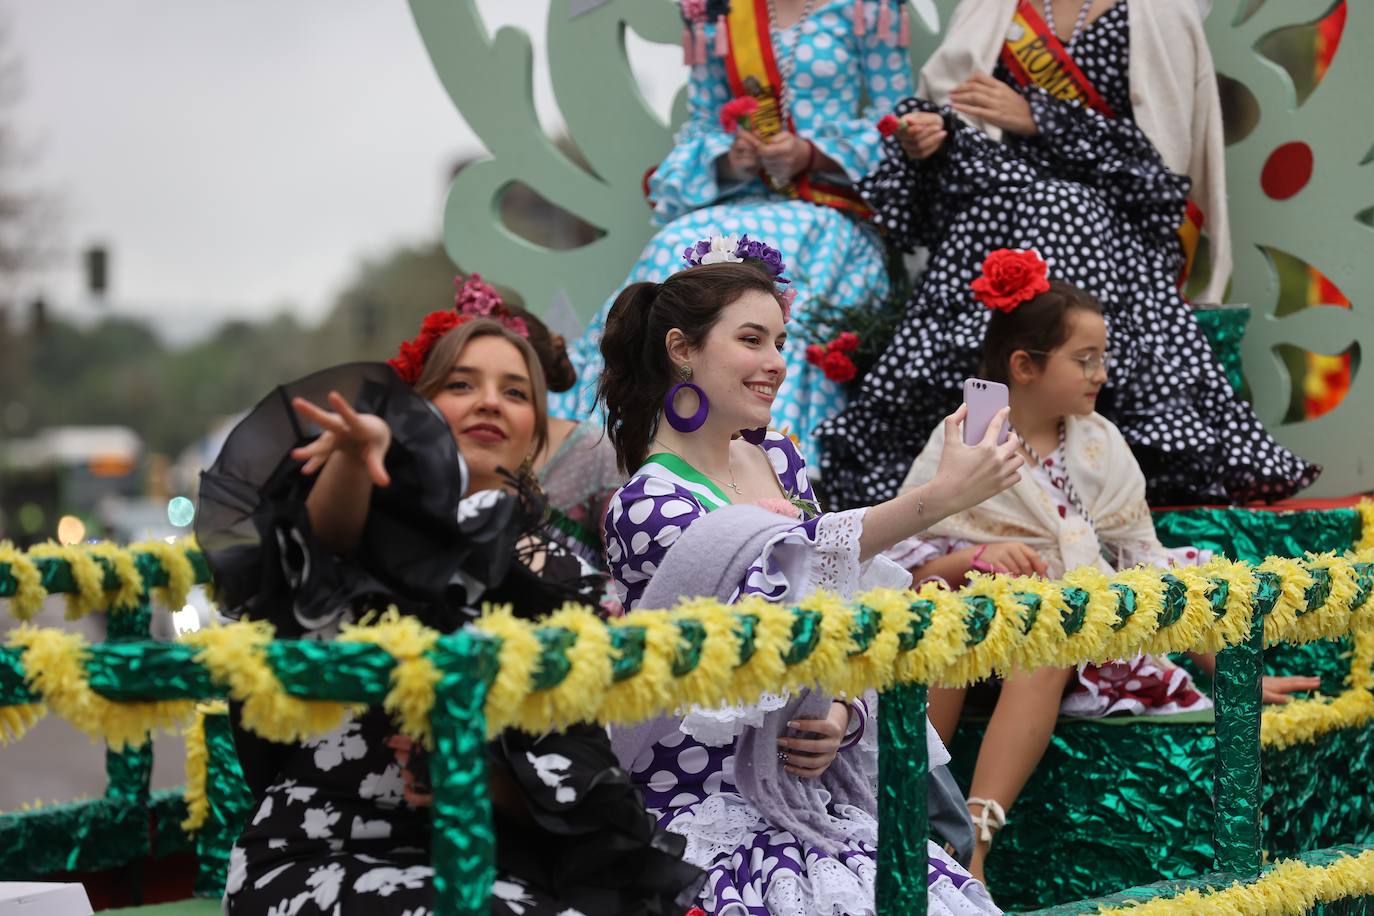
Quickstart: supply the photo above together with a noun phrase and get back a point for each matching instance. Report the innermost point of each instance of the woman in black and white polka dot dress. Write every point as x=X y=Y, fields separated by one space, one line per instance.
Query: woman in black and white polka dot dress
x=1094 y=197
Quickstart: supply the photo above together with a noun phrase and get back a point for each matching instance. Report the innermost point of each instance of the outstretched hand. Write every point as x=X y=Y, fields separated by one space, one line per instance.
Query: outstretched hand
x=1279 y=690
x=363 y=437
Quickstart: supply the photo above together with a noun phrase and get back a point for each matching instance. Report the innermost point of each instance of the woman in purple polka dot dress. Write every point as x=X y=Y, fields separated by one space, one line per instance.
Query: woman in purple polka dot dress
x=721 y=325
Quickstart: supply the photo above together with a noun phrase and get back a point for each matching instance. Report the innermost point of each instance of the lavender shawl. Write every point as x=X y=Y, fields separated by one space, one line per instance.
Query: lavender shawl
x=711 y=558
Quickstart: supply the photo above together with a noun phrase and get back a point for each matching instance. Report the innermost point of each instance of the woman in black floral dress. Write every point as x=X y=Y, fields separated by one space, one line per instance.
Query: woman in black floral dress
x=1089 y=191
x=310 y=517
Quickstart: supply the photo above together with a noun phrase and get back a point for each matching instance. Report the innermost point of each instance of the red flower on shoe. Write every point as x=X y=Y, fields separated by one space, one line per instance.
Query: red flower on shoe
x=1011 y=277
x=889 y=125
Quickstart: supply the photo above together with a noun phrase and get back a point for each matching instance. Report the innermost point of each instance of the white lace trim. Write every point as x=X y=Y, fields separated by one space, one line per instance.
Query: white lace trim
x=835 y=565
x=717 y=827
x=722 y=823
x=827 y=889
x=944 y=899
x=722 y=725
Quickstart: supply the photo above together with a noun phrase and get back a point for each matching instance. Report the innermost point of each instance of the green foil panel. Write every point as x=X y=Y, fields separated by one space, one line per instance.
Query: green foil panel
x=806 y=633
x=1244 y=534
x=903 y=821
x=692 y=636
x=230 y=804
x=1236 y=692
x=1112 y=805
x=1225 y=329
x=1320 y=794
x=865 y=630
x=129 y=671
x=168 y=809
x=1140 y=809
x=464 y=840
x=93 y=835
x=922 y=612
x=627 y=646
x=339 y=671
x=979 y=612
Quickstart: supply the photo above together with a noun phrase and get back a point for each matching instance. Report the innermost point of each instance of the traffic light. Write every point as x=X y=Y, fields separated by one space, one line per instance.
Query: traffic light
x=97 y=270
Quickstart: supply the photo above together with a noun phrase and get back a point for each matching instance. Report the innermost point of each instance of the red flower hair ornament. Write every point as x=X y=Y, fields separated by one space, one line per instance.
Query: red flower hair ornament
x=1011 y=277
x=474 y=299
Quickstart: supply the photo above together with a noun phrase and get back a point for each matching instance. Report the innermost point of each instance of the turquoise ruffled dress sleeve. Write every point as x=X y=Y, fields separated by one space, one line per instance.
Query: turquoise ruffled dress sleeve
x=834 y=121
x=687 y=179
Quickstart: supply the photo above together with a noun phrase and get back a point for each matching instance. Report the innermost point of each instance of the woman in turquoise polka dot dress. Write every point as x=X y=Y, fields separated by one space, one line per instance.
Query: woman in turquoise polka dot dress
x=829 y=59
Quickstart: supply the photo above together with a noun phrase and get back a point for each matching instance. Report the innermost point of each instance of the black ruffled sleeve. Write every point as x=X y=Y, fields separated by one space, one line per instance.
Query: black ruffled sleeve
x=1113 y=155
x=418 y=550
x=914 y=201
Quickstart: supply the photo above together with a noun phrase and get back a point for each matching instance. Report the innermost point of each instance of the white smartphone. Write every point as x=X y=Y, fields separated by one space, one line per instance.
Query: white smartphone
x=984 y=399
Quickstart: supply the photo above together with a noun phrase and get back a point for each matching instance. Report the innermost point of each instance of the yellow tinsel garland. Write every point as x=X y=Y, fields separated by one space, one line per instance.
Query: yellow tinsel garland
x=1366 y=510
x=54 y=668
x=411 y=696
x=181 y=575
x=87 y=575
x=197 y=765
x=29 y=593
x=15 y=721
x=1291 y=888
x=944 y=637
x=130 y=591
x=235 y=656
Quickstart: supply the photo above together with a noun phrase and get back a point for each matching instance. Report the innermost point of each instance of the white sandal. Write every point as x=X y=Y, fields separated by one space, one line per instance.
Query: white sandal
x=993 y=818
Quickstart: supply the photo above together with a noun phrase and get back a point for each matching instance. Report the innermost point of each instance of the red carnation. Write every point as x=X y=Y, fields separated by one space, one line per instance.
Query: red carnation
x=814 y=354
x=736 y=112
x=838 y=367
x=846 y=342
x=409 y=363
x=1011 y=277
x=889 y=125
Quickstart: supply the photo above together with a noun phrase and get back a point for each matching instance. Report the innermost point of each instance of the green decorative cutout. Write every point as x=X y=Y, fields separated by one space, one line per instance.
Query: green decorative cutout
x=1320 y=224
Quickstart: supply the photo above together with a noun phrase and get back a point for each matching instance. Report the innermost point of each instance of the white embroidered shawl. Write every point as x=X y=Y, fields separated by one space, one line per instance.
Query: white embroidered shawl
x=1107 y=478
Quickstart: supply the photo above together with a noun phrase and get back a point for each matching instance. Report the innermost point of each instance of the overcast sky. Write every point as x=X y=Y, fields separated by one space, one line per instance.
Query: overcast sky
x=239 y=156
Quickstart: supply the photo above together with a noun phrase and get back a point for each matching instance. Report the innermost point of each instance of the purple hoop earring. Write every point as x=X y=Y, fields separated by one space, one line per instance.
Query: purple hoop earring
x=676 y=420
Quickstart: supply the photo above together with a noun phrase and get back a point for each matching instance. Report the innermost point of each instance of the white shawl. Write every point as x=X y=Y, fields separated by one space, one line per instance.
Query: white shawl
x=1173 y=93
x=1107 y=478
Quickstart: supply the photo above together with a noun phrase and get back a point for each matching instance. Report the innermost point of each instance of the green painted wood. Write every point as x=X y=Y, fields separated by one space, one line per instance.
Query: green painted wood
x=1319 y=225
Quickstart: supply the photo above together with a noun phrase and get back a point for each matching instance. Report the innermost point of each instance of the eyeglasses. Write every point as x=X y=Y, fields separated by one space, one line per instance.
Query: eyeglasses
x=1090 y=364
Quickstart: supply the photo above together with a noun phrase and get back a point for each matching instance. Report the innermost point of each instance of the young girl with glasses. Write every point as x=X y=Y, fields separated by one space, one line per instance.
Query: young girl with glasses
x=1080 y=502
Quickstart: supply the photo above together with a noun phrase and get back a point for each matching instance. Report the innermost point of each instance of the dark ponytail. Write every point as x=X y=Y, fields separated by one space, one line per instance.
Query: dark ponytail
x=637 y=373
x=1040 y=324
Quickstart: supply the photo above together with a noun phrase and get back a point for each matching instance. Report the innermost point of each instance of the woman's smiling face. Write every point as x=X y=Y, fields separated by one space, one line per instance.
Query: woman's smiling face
x=488 y=404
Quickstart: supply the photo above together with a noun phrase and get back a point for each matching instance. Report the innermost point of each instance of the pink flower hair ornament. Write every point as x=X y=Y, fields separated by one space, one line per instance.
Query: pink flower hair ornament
x=474 y=299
